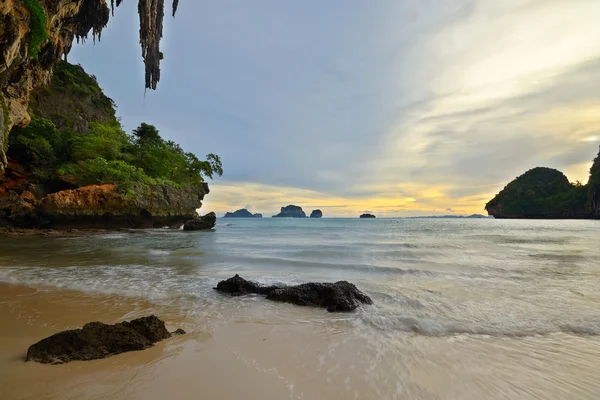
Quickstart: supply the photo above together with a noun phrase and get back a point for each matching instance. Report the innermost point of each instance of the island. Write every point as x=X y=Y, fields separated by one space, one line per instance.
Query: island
x=316 y=214
x=366 y=215
x=242 y=213
x=547 y=193
x=291 y=211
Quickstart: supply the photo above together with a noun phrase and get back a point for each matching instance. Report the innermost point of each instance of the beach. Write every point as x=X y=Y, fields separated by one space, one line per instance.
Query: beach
x=442 y=326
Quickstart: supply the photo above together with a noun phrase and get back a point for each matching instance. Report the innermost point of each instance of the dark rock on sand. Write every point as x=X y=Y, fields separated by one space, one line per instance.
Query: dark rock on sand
x=291 y=211
x=238 y=286
x=367 y=216
x=97 y=340
x=207 y=221
x=335 y=297
x=316 y=214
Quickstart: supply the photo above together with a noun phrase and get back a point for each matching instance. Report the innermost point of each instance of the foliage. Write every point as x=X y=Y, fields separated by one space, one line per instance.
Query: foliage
x=72 y=77
x=35 y=145
x=594 y=181
x=149 y=151
x=541 y=192
x=100 y=152
x=6 y=120
x=106 y=154
x=37 y=26
x=100 y=171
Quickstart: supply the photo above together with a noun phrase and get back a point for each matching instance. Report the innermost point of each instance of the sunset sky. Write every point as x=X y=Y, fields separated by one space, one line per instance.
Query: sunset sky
x=398 y=107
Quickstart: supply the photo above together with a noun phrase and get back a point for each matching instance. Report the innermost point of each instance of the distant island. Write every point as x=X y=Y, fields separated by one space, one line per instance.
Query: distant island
x=366 y=216
x=547 y=193
x=291 y=211
x=242 y=213
x=316 y=214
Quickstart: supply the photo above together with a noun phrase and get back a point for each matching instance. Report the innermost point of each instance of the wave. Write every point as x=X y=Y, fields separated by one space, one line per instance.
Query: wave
x=438 y=327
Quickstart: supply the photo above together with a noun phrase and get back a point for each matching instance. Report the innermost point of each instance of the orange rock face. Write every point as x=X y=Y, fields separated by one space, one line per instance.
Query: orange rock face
x=102 y=206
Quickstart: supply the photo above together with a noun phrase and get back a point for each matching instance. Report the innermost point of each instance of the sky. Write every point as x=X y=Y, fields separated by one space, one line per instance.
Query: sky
x=397 y=107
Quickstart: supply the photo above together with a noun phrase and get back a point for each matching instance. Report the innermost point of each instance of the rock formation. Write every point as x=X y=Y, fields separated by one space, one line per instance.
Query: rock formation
x=291 y=211
x=335 y=297
x=540 y=193
x=594 y=188
x=204 y=222
x=73 y=102
x=35 y=34
x=100 y=206
x=97 y=340
x=316 y=214
x=366 y=215
x=242 y=213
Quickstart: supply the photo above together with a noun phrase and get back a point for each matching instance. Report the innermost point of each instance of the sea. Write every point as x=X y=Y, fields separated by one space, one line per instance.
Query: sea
x=463 y=308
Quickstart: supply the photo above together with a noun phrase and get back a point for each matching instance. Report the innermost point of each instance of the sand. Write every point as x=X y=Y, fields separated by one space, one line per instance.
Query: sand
x=275 y=357
x=190 y=366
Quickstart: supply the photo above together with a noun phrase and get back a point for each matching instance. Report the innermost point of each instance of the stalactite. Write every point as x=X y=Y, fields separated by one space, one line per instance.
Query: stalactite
x=151 y=26
x=93 y=15
x=151 y=30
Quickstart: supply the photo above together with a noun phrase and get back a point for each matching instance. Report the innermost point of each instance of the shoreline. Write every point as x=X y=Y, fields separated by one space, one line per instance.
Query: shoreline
x=71 y=232
x=275 y=353
x=185 y=366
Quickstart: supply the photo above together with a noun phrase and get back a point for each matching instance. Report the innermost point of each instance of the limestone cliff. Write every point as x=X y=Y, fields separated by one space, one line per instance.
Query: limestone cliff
x=594 y=188
x=291 y=211
x=70 y=112
x=545 y=193
x=35 y=34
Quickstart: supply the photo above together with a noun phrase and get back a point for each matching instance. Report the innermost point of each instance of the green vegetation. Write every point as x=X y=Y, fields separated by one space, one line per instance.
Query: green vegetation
x=594 y=181
x=541 y=193
x=72 y=78
x=75 y=137
x=38 y=28
x=6 y=119
x=106 y=154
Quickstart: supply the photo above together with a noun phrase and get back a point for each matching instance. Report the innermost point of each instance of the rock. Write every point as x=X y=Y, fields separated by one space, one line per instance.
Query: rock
x=595 y=200
x=204 y=222
x=539 y=193
x=179 y=332
x=367 y=216
x=102 y=206
x=97 y=340
x=238 y=286
x=242 y=213
x=335 y=297
x=316 y=214
x=291 y=211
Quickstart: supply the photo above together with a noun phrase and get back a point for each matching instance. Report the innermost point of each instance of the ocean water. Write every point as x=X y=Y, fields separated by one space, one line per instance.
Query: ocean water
x=463 y=308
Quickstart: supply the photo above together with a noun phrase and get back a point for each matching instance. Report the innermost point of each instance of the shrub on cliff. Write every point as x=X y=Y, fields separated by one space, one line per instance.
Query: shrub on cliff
x=74 y=135
x=106 y=154
x=594 y=181
x=540 y=193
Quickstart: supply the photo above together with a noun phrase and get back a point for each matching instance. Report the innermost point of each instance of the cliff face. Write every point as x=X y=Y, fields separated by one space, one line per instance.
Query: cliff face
x=594 y=188
x=102 y=206
x=35 y=34
x=74 y=122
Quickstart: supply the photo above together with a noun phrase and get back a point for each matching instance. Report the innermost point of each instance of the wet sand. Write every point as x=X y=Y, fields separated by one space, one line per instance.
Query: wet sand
x=189 y=366
x=280 y=355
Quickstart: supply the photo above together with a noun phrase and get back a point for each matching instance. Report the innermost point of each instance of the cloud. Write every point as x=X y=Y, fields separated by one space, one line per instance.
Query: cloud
x=396 y=106
x=449 y=210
